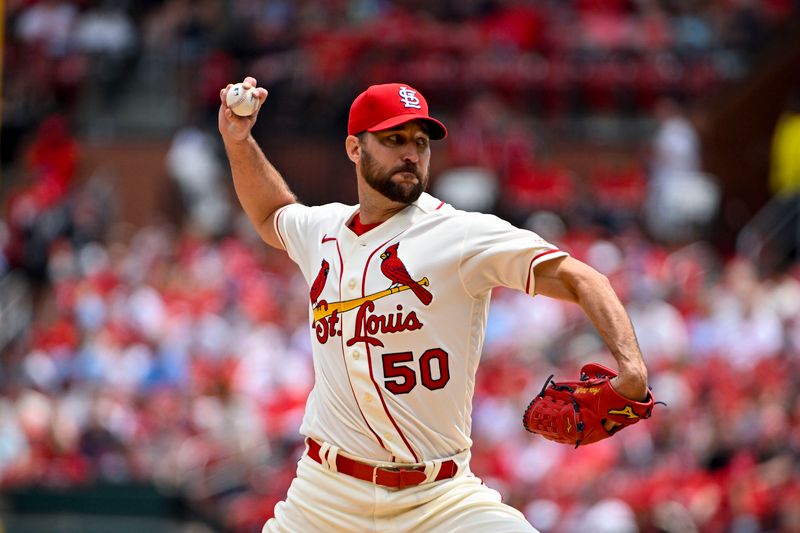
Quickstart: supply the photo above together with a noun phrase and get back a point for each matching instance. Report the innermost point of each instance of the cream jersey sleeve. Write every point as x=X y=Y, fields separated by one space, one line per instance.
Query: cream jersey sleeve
x=300 y=229
x=496 y=253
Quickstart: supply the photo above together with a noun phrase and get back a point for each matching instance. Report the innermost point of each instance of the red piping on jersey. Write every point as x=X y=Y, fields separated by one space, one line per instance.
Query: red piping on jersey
x=439 y=206
x=530 y=267
x=369 y=356
x=344 y=355
x=277 y=227
x=386 y=408
x=325 y=239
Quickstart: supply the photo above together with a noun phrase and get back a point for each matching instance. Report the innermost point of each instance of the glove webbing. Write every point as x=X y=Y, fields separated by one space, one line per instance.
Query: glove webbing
x=579 y=424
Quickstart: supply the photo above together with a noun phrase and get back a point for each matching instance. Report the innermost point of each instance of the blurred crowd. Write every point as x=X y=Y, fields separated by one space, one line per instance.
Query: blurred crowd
x=490 y=68
x=548 y=57
x=180 y=355
x=168 y=357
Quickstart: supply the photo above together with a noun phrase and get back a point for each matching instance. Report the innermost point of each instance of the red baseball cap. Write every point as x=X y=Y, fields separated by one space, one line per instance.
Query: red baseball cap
x=385 y=106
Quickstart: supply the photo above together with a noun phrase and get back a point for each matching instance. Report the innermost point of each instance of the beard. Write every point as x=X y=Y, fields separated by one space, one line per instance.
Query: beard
x=381 y=180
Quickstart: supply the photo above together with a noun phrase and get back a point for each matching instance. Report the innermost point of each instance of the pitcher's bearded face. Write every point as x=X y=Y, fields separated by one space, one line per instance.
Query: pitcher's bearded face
x=403 y=183
x=395 y=162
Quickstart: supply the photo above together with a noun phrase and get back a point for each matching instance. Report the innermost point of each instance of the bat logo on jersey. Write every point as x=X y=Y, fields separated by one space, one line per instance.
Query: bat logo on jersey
x=368 y=323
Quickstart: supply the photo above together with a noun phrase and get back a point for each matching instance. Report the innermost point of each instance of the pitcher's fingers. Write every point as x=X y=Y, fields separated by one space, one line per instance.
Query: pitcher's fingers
x=261 y=93
x=249 y=81
x=224 y=92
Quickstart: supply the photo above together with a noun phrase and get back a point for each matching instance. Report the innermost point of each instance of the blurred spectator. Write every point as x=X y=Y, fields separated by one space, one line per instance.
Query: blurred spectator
x=105 y=30
x=618 y=192
x=773 y=236
x=660 y=328
x=785 y=175
x=785 y=161
x=48 y=23
x=747 y=328
x=745 y=28
x=467 y=188
x=193 y=164
x=676 y=145
x=681 y=199
x=52 y=161
x=611 y=516
x=35 y=209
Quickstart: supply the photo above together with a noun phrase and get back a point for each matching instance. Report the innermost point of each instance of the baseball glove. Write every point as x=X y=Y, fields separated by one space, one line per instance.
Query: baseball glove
x=574 y=412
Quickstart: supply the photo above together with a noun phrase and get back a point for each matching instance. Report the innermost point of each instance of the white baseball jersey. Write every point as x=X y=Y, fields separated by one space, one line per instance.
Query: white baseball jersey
x=398 y=317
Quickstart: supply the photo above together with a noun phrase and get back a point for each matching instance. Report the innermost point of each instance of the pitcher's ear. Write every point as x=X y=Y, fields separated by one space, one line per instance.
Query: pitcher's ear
x=352 y=146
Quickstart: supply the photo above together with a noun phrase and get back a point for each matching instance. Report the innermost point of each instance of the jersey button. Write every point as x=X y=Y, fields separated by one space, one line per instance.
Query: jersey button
x=387 y=436
x=351 y=284
x=356 y=355
x=368 y=398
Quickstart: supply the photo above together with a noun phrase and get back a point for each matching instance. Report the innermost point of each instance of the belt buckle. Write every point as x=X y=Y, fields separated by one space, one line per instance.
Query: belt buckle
x=406 y=476
x=388 y=468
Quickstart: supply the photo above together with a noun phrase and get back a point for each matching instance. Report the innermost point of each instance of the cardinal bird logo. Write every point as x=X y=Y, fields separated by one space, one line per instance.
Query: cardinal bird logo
x=394 y=269
x=319 y=282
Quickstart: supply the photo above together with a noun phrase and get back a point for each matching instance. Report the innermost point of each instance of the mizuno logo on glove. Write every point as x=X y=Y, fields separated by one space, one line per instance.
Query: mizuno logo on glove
x=627 y=412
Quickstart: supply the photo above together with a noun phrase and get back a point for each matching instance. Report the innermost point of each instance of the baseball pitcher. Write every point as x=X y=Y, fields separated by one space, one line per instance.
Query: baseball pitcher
x=399 y=289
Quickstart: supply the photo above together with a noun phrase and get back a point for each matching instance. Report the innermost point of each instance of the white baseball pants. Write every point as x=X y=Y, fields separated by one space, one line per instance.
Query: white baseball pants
x=320 y=500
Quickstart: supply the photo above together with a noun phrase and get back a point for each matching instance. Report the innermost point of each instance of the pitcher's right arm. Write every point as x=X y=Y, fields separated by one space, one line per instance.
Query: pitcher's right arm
x=259 y=186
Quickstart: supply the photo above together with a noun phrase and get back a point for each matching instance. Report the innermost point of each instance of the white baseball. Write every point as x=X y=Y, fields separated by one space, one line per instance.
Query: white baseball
x=241 y=101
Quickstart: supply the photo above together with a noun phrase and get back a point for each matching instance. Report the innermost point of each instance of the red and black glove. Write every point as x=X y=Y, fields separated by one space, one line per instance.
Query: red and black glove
x=576 y=412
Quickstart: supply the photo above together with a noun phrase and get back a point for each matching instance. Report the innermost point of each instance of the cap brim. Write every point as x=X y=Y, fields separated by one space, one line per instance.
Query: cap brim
x=436 y=129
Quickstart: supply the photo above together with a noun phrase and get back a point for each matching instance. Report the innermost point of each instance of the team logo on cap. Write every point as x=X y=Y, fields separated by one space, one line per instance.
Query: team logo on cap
x=409 y=98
